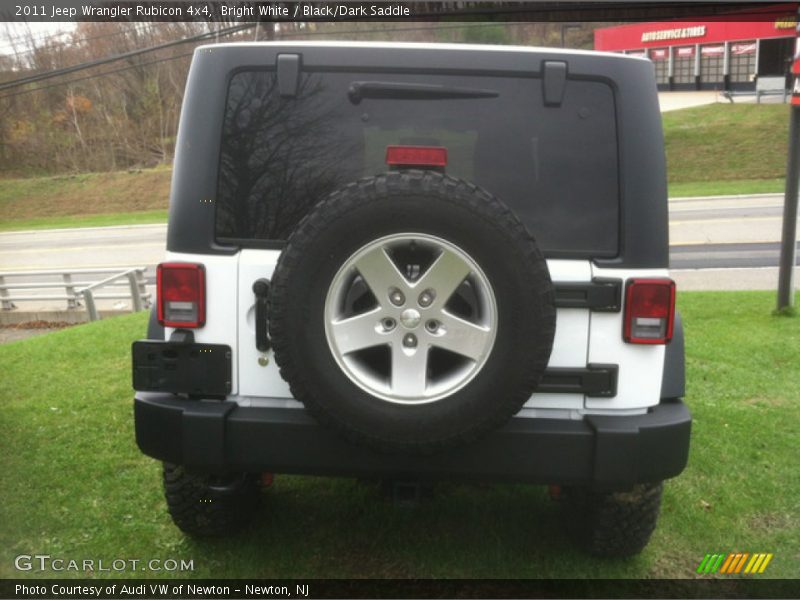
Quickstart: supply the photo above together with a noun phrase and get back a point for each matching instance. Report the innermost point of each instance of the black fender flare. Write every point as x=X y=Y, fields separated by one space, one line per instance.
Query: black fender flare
x=155 y=331
x=673 y=382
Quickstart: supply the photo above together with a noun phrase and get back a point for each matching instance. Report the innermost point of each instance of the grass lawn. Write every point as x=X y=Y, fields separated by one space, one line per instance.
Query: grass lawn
x=84 y=200
x=725 y=142
x=726 y=188
x=100 y=220
x=74 y=484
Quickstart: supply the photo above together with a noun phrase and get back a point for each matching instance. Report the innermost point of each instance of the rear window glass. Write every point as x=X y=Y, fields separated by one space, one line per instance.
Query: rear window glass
x=556 y=167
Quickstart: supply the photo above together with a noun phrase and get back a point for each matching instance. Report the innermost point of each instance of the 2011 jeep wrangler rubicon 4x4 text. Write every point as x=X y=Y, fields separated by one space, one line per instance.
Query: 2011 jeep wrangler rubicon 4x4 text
x=417 y=262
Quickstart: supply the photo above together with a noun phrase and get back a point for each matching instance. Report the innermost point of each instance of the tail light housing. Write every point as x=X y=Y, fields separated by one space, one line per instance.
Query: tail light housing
x=649 y=311
x=181 y=289
x=416 y=156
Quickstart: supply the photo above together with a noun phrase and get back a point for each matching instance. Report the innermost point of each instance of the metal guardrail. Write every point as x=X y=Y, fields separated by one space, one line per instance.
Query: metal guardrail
x=730 y=95
x=75 y=290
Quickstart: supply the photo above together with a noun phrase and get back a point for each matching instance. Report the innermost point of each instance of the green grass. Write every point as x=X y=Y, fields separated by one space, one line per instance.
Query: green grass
x=726 y=142
x=74 y=484
x=101 y=220
x=725 y=188
x=85 y=199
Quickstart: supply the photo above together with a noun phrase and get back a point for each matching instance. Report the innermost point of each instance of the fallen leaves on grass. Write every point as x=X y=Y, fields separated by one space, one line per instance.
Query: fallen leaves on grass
x=40 y=325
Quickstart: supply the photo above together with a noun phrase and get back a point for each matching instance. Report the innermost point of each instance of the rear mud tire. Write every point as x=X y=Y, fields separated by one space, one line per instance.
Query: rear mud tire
x=200 y=509
x=612 y=524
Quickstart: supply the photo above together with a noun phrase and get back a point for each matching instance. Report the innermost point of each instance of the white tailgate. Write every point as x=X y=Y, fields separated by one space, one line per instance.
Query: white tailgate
x=640 y=366
x=571 y=340
x=582 y=337
x=256 y=379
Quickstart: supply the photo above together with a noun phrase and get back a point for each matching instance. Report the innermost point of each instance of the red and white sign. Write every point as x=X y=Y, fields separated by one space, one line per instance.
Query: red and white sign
x=712 y=50
x=674 y=34
x=658 y=54
x=796 y=63
x=637 y=53
x=756 y=23
x=687 y=52
x=746 y=48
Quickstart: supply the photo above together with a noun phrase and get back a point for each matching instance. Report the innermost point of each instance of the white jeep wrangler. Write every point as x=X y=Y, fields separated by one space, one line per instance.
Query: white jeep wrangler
x=417 y=262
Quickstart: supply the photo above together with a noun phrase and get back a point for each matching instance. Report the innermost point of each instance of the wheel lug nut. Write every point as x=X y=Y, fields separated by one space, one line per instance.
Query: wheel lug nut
x=426 y=298
x=396 y=297
x=410 y=340
x=432 y=326
x=388 y=323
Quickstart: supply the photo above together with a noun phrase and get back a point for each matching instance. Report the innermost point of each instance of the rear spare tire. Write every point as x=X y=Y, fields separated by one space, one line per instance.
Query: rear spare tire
x=412 y=311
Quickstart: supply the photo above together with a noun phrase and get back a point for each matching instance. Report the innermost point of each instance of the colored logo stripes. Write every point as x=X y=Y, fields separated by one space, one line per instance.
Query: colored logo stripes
x=739 y=562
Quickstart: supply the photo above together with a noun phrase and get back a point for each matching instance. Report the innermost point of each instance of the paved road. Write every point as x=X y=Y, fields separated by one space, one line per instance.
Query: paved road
x=733 y=232
x=723 y=220
x=137 y=245
x=726 y=256
x=677 y=100
x=726 y=243
x=134 y=245
x=733 y=240
x=724 y=232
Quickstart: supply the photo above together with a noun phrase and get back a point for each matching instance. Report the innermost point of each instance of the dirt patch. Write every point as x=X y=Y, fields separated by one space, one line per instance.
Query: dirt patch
x=772 y=521
x=21 y=331
x=759 y=402
x=40 y=325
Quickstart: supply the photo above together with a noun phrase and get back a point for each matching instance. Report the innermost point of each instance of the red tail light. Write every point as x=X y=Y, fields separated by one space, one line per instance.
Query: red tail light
x=416 y=156
x=181 y=289
x=649 y=311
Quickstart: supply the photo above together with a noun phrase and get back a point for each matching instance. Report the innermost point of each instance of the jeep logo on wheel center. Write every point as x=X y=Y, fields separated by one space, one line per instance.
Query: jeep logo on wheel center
x=410 y=318
x=416 y=265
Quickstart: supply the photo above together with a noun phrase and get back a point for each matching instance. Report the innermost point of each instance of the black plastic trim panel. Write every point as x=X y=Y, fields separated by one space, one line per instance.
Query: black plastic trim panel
x=601 y=295
x=554 y=82
x=599 y=450
x=191 y=368
x=673 y=382
x=288 y=69
x=595 y=381
x=181 y=367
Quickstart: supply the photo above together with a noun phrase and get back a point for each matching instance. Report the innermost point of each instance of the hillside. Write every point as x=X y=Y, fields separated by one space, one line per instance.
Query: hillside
x=724 y=142
x=718 y=148
x=65 y=200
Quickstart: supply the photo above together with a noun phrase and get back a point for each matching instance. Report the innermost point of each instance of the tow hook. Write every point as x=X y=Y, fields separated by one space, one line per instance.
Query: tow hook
x=220 y=487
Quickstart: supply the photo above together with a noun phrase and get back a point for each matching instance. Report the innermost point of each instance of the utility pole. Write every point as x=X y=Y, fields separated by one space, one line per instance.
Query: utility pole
x=789 y=235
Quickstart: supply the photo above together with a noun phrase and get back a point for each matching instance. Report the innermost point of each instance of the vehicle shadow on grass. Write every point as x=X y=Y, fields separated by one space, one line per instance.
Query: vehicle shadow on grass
x=341 y=528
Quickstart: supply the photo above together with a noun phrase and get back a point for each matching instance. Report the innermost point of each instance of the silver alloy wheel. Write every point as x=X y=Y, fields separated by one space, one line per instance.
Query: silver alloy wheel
x=410 y=318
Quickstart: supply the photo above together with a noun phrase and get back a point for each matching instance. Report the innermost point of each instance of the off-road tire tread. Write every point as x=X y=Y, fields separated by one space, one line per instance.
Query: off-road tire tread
x=460 y=193
x=188 y=502
x=613 y=524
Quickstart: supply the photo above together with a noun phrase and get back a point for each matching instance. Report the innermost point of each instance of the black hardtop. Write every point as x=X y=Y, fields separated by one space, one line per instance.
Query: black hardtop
x=643 y=241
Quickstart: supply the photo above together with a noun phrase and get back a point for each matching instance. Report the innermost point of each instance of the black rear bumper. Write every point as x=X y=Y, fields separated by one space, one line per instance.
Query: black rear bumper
x=222 y=436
